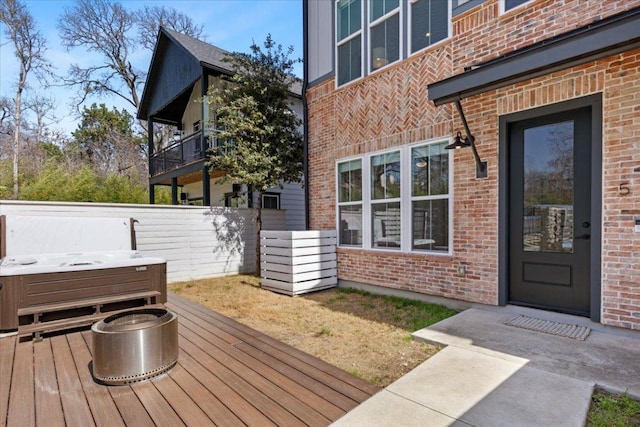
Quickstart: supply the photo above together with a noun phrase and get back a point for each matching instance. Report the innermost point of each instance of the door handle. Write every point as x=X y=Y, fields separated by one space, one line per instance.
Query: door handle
x=585 y=236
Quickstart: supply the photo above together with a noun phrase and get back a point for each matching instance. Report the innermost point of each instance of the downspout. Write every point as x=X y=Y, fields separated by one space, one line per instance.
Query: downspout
x=305 y=135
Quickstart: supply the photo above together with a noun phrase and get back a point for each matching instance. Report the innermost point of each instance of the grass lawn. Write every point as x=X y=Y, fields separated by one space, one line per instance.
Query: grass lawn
x=366 y=335
x=611 y=410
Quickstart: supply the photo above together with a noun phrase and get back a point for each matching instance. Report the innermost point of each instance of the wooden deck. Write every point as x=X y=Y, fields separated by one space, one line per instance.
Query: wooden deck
x=227 y=375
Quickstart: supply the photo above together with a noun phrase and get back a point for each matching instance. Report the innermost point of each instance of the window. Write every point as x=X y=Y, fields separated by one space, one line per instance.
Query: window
x=429 y=23
x=271 y=201
x=512 y=4
x=406 y=205
x=384 y=33
x=430 y=198
x=349 y=40
x=232 y=200
x=350 y=202
x=385 y=195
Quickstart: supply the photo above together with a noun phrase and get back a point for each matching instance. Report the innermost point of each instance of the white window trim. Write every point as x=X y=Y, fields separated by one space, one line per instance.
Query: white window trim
x=347 y=39
x=339 y=204
x=406 y=239
x=268 y=194
x=431 y=46
x=397 y=10
x=502 y=5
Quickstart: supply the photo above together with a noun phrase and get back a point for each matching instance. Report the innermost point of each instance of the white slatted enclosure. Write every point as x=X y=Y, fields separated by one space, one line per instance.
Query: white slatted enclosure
x=197 y=242
x=296 y=262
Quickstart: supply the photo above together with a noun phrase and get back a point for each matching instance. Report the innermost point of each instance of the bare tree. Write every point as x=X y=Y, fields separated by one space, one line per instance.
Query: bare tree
x=150 y=19
x=104 y=27
x=107 y=28
x=30 y=48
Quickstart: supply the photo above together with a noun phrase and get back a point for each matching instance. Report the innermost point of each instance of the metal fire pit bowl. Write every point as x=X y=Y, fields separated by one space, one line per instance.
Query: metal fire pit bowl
x=134 y=345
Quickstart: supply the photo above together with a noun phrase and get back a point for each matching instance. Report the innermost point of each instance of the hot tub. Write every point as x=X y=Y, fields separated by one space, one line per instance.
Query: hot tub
x=59 y=284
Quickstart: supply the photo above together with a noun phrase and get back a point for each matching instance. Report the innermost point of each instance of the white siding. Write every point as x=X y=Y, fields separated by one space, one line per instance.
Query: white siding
x=320 y=38
x=197 y=242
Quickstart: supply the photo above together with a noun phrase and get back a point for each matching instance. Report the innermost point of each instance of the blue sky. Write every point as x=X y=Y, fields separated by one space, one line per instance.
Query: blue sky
x=229 y=24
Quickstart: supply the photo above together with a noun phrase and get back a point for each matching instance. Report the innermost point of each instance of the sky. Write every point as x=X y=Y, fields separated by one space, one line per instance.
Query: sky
x=229 y=24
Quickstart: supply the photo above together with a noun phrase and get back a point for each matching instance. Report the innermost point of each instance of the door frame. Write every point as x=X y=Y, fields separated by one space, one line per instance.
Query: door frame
x=595 y=102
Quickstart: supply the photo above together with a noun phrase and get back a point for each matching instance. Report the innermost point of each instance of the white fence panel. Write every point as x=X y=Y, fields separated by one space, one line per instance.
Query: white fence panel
x=295 y=262
x=197 y=242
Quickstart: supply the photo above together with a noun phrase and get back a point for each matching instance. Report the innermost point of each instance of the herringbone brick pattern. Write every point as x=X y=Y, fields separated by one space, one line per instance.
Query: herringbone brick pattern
x=390 y=108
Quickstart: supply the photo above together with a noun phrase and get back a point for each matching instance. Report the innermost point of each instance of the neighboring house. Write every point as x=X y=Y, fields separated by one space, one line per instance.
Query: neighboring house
x=551 y=93
x=181 y=71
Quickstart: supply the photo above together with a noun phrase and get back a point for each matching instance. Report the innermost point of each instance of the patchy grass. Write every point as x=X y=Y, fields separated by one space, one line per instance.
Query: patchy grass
x=361 y=333
x=613 y=410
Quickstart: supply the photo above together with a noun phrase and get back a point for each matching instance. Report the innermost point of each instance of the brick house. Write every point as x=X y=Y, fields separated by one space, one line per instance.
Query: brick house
x=539 y=205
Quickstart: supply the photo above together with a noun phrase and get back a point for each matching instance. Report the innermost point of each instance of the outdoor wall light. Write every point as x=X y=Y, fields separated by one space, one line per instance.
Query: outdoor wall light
x=468 y=141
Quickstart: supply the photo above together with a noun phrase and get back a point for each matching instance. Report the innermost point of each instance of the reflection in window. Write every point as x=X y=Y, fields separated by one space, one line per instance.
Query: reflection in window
x=350 y=225
x=386 y=225
x=383 y=215
x=350 y=202
x=385 y=176
x=548 y=188
x=384 y=33
x=350 y=181
x=430 y=198
x=429 y=23
x=349 y=40
x=430 y=228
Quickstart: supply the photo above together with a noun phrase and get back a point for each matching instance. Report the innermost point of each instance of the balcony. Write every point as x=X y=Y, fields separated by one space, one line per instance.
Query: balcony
x=188 y=150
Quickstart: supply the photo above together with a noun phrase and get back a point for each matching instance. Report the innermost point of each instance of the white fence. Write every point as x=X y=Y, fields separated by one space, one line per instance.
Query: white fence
x=295 y=262
x=197 y=242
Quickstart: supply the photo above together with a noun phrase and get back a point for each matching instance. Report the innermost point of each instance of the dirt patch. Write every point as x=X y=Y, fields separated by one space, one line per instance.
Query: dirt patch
x=366 y=335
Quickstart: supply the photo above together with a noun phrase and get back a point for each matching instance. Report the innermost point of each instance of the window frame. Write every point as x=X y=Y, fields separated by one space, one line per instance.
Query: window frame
x=270 y=194
x=378 y=21
x=360 y=202
x=406 y=200
x=410 y=29
x=502 y=6
x=348 y=39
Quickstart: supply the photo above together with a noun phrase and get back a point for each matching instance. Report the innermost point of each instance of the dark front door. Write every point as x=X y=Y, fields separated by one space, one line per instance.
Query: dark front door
x=549 y=212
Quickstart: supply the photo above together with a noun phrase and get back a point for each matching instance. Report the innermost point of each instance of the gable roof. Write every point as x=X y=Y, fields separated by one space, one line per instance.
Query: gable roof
x=178 y=61
x=208 y=55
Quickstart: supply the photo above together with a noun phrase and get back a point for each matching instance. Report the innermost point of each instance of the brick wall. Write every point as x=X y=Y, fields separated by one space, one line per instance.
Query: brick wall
x=390 y=108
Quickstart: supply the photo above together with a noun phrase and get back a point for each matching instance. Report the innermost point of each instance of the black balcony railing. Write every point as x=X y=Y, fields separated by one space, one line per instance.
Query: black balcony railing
x=178 y=154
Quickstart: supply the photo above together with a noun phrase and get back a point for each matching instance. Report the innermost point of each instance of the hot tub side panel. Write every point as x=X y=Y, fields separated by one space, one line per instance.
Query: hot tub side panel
x=9 y=298
x=59 y=288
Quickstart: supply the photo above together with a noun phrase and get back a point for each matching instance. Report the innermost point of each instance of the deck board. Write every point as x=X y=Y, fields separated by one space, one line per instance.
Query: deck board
x=227 y=375
x=74 y=402
x=7 y=351
x=48 y=404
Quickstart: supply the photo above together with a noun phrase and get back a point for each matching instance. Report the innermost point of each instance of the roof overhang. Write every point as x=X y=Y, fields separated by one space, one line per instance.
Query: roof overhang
x=597 y=40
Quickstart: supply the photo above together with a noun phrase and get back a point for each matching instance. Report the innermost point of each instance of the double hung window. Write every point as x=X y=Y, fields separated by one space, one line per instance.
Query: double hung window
x=429 y=23
x=350 y=202
x=406 y=204
x=384 y=33
x=349 y=40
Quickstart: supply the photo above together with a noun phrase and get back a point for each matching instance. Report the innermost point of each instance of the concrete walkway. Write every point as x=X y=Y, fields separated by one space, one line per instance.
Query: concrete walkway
x=491 y=374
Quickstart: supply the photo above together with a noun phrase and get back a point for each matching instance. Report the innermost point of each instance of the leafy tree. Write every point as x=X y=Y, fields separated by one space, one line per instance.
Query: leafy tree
x=30 y=48
x=263 y=145
x=58 y=183
x=105 y=138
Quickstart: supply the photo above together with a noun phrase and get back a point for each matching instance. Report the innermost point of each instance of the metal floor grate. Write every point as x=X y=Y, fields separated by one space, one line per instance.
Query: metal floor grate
x=549 y=327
